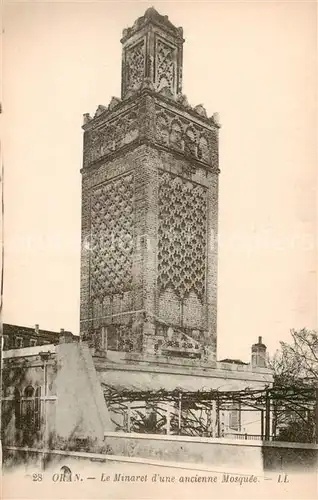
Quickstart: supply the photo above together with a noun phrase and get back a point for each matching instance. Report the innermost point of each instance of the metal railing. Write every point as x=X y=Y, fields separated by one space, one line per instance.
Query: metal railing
x=244 y=435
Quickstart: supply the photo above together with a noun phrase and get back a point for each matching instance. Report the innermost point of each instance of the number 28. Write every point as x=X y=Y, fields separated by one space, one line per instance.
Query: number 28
x=37 y=477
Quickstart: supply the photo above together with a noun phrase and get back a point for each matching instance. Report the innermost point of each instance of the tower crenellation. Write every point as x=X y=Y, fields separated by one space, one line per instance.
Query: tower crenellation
x=150 y=207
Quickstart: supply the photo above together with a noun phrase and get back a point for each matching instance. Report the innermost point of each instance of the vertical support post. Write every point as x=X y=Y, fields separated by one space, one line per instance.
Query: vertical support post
x=239 y=416
x=218 y=423
x=267 y=416
x=168 y=418
x=262 y=425
x=209 y=421
x=128 y=415
x=274 y=422
x=179 y=413
x=213 y=419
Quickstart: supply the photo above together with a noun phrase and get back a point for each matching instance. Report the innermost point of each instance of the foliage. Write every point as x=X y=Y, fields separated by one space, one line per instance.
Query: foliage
x=296 y=365
x=297 y=430
x=148 y=424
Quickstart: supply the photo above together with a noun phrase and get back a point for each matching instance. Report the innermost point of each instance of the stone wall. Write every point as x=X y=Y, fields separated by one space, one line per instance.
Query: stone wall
x=254 y=457
x=219 y=455
x=206 y=451
x=290 y=456
x=80 y=408
x=69 y=402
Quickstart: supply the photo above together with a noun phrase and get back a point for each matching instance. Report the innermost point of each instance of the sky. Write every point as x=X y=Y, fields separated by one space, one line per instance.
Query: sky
x=255 y=63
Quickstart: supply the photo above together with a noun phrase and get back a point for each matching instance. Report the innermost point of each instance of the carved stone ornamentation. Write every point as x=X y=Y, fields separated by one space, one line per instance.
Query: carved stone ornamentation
x=112 y=214
x=100 y=109
x=182 y=236
x=190 y=142
x=86 y=118
x=163 y=129
x=112 y=136
x=203 y=149
x=131 y=130
x=151 y=15
x=166 y=92
x=135 y=66
x=172 y=340
x=176 y=135
x=200 y=109
x=120 y=338
x=182 y=99
x=147 y=84
x=184 y=137
x=114 y=102
x=165 y=67
x=216 y=119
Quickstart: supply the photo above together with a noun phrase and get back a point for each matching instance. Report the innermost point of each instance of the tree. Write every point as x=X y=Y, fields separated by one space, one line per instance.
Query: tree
x=296 y=363
x=295 y=366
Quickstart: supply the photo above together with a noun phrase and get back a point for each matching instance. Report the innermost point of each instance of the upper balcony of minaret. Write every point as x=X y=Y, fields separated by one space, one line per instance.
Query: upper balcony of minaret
x=152 y=108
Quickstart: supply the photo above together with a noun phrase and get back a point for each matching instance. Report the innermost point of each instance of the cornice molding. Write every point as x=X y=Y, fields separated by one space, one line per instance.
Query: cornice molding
x=156 y=146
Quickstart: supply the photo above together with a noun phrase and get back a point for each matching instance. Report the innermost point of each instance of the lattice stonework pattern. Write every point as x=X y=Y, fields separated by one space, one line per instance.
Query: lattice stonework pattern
x=165 y=66
x=112 y=222
x=135 y=64
x=182 y=236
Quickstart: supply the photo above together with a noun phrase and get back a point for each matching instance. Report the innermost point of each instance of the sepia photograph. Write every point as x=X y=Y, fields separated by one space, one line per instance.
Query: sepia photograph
x=159 y=335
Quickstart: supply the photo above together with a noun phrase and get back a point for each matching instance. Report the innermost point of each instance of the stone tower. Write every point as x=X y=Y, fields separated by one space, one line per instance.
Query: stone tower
x=150 y=208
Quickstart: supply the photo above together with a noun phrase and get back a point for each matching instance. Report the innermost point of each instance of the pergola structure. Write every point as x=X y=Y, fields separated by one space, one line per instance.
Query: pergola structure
x=198 y=413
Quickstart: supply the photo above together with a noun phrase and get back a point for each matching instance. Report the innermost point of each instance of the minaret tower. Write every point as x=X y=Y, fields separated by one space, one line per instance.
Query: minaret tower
x=150 y=208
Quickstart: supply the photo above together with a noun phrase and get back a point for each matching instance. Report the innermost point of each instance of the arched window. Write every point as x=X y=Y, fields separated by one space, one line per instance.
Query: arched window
x=17 y=409
x=132 y=129
x=176 y=135
x=28 y=392
x=27 y=409
x=190 y=142
x=203 y=149
x=162 y=129
x=28 y=404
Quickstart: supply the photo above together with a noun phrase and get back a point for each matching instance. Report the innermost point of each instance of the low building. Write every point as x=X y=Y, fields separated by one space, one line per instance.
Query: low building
x=51 y=393
x=18 y=336
x=46 y=390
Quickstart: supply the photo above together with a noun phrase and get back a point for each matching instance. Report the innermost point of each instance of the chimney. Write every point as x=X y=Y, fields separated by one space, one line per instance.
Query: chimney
x=259 y=354
x=36 y=329
x=65 y=337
